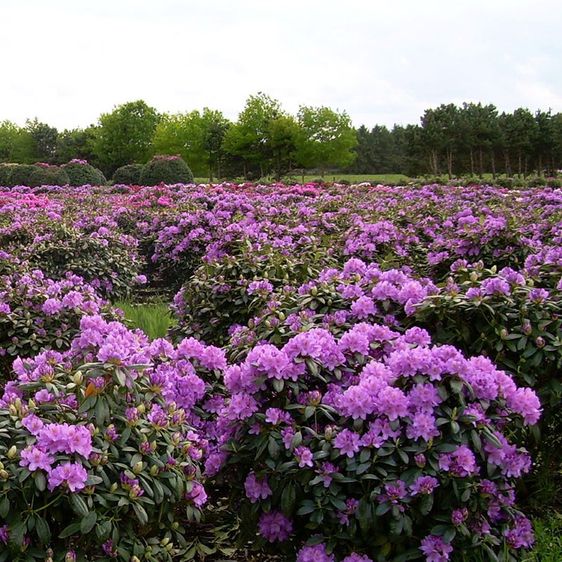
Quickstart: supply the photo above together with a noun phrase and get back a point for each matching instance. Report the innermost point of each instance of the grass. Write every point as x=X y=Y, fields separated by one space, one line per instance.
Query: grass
x=352 y=178
x=153 y=318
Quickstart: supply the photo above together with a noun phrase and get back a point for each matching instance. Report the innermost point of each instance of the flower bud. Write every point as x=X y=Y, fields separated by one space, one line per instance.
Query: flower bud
x=165 y=541
x=114 y=487
x=527 y=328
x=4 y=474
x=77 y=378
x=281 y=316
x=135 y=559
x=153 y=470
x=70 y=556
x=137 y=469
x=539 y=342
x=141 y=408
x=13 y=410
x=504 y=333
x=314 y=291
x=12 y=452
x=31 y=404
x=474 y=276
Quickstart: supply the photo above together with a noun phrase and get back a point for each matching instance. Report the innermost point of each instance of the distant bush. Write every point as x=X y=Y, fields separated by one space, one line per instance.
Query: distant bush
x=128 y=175
x=81 y=173
x=5 y=174
x=553 y=182
x=166 y=169
x=47 y=175
x=20 y=174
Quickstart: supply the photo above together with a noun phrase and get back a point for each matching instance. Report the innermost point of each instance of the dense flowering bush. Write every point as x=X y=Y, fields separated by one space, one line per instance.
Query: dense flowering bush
x=376 y=444
x=38 y=313
x=81 y=173
x=98 y=454
x=230 y=289
x=508 y=317
x=107 y=260
x=166 y=169
x=336 y=299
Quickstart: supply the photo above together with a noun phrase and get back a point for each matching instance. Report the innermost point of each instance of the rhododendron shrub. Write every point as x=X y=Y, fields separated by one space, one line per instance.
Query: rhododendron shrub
x=38 y=313
x=506 y=315
x=98 y=452
x=231 y=289
x=375 y=444
x=336 y=300
x=107 y=260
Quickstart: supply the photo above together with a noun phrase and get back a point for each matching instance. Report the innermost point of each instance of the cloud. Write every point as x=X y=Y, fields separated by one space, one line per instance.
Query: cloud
x=66 y=61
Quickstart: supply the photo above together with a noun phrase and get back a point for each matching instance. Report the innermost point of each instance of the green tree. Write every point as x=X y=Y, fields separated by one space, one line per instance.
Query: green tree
x=543 y=141
x=518 y=131
x=283 y=134
x=76 y=143
x=250 y=137
x=326 y=138
x=125 y=135
x=44 y=139
x=217 y=127
x=480 y=133
x=196 y=137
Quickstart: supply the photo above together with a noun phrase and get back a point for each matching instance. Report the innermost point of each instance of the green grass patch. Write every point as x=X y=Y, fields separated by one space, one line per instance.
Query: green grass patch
x=153 y=318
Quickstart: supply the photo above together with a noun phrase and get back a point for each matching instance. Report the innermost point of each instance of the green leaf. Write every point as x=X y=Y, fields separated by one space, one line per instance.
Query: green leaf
x=40 y=481
x=78 y=505
x=4 y=507
x=42 y=529
x=88 y=522
x=288 y=498
x=141 y=514
x=72 y=529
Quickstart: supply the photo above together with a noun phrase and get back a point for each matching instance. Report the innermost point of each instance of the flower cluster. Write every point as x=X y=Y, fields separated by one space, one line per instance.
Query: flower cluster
x=369 y=431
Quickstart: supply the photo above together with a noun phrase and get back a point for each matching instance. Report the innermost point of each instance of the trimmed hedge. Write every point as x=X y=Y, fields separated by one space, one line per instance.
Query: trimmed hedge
x=82 y=173
x=166 y=169
x=128 y=175
x=48 y=175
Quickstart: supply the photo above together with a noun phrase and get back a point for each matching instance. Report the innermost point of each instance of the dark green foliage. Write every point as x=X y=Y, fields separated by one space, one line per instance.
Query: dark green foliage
x=83 y=174
x=48 y=175
x=21 y=174
x=166 y=169
x=6 y=173
x=128 y=175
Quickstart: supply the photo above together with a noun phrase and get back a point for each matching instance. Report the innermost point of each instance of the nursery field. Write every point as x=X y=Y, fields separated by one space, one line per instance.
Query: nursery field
x=340 y=373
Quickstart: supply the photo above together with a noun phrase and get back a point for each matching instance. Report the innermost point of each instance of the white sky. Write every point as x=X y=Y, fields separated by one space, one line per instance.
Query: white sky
x=383 y=61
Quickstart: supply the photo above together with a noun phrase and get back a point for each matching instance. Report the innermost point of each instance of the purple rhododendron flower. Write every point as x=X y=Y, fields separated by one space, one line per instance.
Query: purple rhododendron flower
x=274 y=526
x=73 y=475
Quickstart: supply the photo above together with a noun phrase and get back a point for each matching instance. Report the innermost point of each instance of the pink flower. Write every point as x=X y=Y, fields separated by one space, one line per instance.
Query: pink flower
x=74 y=475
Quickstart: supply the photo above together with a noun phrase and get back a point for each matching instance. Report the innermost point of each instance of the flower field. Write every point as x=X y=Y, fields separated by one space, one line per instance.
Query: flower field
x=344 y=374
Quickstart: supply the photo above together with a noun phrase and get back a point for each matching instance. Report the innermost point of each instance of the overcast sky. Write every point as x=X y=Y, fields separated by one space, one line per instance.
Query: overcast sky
x=383 y=61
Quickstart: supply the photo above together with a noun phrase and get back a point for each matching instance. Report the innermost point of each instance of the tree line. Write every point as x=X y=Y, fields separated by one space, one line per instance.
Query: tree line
x=266 y=140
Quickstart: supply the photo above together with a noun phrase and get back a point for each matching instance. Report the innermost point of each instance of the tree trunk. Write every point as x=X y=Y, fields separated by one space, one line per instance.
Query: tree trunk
x=493 y=162
x=519 y=163
x=540 y=170
x=450 y=163
x=480 y=163
x=507 y=164
x=471 y=162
